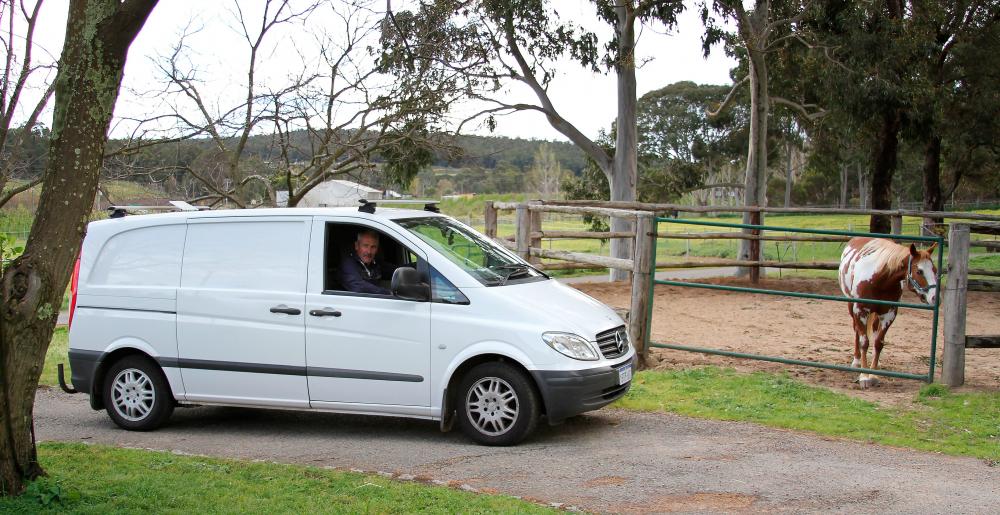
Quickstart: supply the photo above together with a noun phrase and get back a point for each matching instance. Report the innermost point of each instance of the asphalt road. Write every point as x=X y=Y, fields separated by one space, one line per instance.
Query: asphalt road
x=605 y=461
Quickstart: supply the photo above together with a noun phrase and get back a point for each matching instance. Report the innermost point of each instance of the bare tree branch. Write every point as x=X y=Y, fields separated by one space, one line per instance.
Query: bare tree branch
x=803 y=109
x=729 y=98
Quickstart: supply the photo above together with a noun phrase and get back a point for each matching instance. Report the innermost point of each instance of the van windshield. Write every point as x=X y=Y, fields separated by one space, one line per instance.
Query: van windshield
x=488 y=262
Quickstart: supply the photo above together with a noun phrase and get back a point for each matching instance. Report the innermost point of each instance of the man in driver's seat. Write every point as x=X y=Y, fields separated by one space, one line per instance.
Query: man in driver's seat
x=359 y=272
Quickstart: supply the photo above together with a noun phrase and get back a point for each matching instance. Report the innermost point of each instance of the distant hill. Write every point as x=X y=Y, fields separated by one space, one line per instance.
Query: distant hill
x=487 y=152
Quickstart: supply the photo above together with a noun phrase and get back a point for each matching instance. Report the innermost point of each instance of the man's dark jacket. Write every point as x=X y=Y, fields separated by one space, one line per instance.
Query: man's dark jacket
x=358 y=277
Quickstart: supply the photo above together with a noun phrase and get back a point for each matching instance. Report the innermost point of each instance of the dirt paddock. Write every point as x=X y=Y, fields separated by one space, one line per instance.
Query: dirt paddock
x=807 y=329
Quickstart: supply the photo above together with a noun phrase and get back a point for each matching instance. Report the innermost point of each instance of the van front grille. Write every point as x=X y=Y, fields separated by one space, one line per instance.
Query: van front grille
x=613 y=342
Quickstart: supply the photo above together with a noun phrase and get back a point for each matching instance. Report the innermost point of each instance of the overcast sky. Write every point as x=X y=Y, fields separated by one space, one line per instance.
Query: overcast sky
x=585 y=99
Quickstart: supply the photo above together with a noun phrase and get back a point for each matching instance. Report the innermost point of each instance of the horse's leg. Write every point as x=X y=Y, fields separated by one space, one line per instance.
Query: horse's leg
x=871 y=331
x=883 y=328
x=858 y=331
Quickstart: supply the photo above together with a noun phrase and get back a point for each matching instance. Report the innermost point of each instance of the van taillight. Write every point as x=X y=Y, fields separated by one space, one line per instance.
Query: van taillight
x=73 y=283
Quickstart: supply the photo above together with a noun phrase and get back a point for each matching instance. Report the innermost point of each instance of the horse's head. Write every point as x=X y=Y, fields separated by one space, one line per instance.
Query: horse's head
x=921 y=276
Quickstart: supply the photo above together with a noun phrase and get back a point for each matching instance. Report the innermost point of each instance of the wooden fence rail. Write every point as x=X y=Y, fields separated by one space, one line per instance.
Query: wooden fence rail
x=676 y=208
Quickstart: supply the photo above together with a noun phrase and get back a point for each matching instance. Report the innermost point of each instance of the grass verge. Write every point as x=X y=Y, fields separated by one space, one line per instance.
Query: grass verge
x=58 y=353
x=98 y=479
x=965 y=424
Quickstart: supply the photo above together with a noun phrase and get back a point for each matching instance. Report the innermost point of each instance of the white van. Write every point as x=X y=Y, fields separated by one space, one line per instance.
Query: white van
x=245 y=308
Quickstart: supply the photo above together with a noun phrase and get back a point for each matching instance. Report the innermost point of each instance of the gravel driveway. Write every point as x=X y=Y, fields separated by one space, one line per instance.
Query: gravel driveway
x=605 y=461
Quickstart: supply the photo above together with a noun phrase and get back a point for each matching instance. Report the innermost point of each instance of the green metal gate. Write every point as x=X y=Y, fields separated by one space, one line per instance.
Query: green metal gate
x=928 y=377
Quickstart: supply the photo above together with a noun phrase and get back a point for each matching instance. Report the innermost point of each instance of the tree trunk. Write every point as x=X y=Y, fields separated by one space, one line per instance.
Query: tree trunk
x=624 y=171
x=862 y=189
x=843 y=187
x=98 y=34
x=788 y=176
x=755 y=180
x=885 y=153
x=933 y=200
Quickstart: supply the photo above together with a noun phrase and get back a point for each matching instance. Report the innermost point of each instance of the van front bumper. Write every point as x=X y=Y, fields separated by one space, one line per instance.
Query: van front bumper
x=570 y=392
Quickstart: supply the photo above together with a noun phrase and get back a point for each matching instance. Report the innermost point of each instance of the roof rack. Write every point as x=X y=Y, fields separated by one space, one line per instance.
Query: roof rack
x=368 y=206
x=175 y=205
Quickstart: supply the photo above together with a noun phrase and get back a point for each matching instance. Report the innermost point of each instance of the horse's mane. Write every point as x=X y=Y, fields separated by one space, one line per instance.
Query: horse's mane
x=889 y=255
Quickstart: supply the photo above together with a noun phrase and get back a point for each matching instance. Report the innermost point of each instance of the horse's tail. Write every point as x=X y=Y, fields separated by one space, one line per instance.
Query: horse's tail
x=873 y=318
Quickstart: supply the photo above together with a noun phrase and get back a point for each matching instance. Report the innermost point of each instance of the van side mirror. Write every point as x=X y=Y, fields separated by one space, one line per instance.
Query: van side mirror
x=407 y=284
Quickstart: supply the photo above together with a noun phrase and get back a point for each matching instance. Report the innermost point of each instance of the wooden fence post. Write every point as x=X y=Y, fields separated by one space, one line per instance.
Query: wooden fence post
x=535 y=228
x=897 y=224
x=522 y=240
x=642 y=259
x=755 y=218
x=955 y=302
x=491 y=219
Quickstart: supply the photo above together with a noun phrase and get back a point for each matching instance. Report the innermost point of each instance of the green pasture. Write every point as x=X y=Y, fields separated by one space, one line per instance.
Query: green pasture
x=466 y=208
x=99 y=479
x=966 y=424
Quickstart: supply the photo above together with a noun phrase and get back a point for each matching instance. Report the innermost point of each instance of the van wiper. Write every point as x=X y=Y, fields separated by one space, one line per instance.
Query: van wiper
x=514 y=269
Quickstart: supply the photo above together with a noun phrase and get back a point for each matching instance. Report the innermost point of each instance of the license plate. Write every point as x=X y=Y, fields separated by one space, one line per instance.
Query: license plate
x=625 y=374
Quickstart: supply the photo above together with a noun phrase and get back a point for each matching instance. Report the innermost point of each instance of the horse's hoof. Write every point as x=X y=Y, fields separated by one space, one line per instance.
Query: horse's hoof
x=868 y=382
x=855 y=363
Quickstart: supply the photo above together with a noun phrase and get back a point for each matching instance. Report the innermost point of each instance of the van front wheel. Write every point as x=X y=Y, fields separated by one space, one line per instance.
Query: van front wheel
x=137 y=395
x=498 y=404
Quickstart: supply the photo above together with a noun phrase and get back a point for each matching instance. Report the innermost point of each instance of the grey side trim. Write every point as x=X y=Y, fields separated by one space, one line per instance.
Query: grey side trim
x=362 y=374
x=129 y=309
x=232 y=366
x=261 y=368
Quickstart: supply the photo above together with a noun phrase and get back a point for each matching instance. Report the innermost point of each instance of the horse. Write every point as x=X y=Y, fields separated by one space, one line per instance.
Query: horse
x=879 y=269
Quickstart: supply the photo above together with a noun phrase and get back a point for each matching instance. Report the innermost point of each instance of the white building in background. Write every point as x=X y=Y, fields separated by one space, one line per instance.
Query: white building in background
x=333 y=193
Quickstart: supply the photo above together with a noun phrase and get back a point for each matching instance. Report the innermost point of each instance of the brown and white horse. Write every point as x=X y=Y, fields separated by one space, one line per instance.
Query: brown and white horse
x=879 y=269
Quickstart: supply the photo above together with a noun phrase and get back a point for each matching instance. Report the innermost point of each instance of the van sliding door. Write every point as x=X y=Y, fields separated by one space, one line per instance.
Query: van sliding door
x=240 y=307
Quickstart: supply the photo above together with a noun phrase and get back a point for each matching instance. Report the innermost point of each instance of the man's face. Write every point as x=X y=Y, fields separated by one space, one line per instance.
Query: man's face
x=366 y=247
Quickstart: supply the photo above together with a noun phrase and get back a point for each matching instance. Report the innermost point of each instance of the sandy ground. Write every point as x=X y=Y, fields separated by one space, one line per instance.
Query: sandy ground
x=814 y=330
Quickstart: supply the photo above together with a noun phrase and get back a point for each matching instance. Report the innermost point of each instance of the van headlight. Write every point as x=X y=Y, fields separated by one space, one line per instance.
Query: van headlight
x=570 y=345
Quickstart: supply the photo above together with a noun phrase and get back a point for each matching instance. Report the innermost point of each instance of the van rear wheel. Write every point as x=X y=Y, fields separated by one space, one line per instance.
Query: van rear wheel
x=498 y=405
x=136 y=394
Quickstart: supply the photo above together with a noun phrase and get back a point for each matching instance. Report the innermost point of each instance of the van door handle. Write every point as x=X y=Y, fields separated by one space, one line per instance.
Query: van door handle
x=324 y=313
x=286 y=310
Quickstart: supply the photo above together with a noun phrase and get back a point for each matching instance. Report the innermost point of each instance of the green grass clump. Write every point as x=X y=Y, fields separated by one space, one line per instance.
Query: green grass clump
x=960 y=424
x=98 y=479
x=932 y=390
x=57 y=353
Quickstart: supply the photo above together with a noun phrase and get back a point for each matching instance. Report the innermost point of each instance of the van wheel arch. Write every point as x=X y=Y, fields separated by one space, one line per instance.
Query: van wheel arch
x=97 y=388
x=451 y=391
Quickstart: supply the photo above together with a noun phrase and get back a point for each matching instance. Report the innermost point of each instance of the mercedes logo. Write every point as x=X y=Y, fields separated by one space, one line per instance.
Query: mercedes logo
x=621 y=339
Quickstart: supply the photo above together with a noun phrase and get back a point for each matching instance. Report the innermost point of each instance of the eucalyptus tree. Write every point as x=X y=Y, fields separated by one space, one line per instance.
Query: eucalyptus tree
x=98 y=36
x=955 y=79
x=681 y=147
x=908 y=74
x=759 y=32
x=483 y=47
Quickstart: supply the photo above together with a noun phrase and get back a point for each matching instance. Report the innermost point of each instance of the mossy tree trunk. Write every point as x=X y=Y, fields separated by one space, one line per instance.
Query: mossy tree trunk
x=98 y=34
